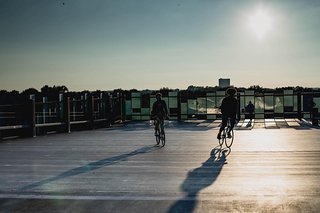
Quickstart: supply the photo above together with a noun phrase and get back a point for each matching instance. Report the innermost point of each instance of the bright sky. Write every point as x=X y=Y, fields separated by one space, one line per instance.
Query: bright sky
x=109 y=44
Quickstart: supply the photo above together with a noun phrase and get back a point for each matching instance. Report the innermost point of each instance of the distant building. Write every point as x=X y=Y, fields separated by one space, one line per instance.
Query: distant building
x=224 y=82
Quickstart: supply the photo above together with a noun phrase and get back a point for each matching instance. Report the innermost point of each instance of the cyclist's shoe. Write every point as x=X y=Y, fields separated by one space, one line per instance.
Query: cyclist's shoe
x=229 y=135
x=219 y=137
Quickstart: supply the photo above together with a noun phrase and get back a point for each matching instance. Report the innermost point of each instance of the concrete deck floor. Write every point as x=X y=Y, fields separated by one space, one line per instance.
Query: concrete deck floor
x=270 y=168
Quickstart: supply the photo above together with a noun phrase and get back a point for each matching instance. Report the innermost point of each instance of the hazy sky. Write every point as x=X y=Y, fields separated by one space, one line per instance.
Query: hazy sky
x=109 y=44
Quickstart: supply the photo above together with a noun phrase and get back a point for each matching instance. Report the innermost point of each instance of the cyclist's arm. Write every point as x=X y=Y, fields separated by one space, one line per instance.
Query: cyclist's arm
x=165 y=108
x=153 y=111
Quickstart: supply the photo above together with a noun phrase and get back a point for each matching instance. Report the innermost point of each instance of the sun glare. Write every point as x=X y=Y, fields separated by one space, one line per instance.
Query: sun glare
x=260 y=23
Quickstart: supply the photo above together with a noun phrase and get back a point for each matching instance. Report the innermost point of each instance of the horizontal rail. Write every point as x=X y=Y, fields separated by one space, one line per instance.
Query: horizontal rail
x=49 y=124
x=12 y=127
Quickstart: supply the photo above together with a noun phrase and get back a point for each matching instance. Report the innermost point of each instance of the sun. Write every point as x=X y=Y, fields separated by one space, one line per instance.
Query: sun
x=260 y=23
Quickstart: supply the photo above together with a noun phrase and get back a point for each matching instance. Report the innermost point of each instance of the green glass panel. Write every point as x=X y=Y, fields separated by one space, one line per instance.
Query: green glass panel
x=192 y=106
x=173 y=102
x=212 y=107
x=269 y=103
x=242 y=102
x=135 y=94
x=249 y=92
x=221 y=93
x=295 y=103
x=128 y=107
x=288 y=92
x=201 y=105
x=316 y=100
x=145 y=111
x=184 y=108
x=145 y=117
x=136 y=118
x=136 y=103
x=288 y=100
x=259 y=104
x=173 y=93
x=278 y=104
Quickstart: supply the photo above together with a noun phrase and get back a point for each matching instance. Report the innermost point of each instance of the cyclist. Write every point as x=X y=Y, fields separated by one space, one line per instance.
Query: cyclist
x=250 y=110
x=159 y=111
x=228 y=108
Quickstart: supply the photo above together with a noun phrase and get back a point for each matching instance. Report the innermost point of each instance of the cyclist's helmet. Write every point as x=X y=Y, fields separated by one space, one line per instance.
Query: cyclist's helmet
x=158 y=95
x=231 y=91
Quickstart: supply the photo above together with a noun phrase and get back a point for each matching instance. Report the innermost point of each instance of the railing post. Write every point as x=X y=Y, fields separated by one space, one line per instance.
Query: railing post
x=90 y=112
x=66 y=114
x=179 y=106
x=106 y=100
x=44 y=109
x=299 y=105
x=32 y=118
x=238 y=103
x=123 y=107
x=314 y=114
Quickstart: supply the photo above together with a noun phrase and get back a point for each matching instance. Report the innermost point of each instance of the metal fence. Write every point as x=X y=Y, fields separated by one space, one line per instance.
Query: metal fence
x=36 y=117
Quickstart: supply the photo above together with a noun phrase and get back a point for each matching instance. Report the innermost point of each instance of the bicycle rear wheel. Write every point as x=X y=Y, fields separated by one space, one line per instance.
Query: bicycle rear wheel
x=228 y=140
x=163 y=138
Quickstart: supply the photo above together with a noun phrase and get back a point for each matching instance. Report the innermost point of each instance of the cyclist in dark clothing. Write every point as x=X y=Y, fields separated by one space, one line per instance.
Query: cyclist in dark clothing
x=250 y=110
x=159 y=111
x=228 y=108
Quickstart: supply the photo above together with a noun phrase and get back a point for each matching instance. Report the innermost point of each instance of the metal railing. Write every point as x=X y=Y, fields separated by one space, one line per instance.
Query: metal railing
x=35 y=118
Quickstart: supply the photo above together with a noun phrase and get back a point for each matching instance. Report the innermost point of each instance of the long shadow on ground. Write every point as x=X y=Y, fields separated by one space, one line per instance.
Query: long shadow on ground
x=199 y=179
x=93 y=166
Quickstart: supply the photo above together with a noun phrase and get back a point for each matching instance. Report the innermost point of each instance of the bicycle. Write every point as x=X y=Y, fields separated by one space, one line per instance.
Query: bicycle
x=228 y=141
x=160 y=133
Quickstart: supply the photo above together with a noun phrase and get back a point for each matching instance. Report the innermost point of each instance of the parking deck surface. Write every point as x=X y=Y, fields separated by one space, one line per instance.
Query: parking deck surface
x=273 y=166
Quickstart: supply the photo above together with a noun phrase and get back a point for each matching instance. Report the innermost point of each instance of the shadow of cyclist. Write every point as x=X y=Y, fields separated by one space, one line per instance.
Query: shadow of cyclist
x=199 y=179
x=93 y=166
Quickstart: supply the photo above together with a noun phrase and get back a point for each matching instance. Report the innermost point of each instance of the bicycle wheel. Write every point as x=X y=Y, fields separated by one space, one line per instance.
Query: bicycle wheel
x=228 y=141
x=158 y=136
x=163 y=138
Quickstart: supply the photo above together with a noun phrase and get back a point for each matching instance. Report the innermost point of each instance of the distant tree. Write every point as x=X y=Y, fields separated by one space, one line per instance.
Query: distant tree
x=14 y=92
x=2 y=92
x=30 y=91
x=255 y=87
x=53 y=90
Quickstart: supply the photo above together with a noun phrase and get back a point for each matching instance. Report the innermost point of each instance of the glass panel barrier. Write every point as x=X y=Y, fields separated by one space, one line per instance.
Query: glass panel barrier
x=136 y=103
x=201 y=105
x=173 y=102
x=278 y=104
x=128 y=107
x=192 y=106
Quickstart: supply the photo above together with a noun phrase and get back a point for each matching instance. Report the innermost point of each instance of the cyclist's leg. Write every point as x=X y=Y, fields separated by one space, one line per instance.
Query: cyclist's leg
x=156 y=124
x=232 y=123
x=223 y=125
x=162 y=125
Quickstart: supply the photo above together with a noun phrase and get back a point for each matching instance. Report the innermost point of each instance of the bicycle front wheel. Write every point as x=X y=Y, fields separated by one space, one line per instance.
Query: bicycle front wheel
x=158 y=137
x=229 y=140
